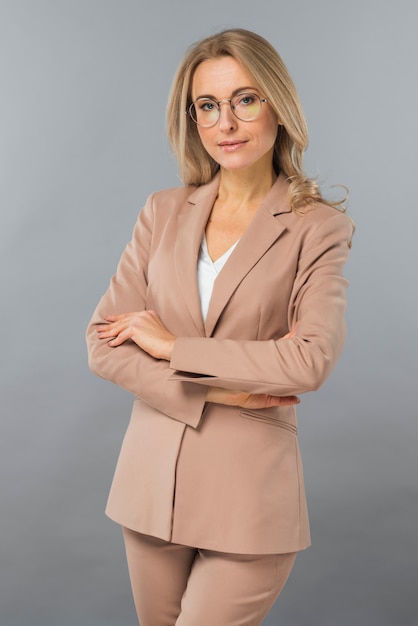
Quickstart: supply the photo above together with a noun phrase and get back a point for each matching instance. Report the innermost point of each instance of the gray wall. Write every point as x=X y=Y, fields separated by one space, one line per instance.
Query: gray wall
x=83 y=91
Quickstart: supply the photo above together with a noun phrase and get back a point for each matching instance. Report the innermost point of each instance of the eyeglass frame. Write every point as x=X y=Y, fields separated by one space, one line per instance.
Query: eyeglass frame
x=218 y=104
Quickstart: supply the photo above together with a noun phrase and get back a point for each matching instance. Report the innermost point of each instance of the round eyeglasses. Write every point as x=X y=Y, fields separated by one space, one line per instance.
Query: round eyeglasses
x=206 y=111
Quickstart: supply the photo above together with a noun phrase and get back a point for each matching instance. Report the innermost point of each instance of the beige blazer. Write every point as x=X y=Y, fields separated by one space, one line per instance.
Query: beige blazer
x=207 y=475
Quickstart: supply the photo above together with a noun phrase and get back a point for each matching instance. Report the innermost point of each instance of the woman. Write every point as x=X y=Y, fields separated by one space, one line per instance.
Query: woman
x=208 y=487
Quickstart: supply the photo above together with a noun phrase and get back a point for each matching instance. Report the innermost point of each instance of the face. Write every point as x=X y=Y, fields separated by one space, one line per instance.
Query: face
x=233 y=143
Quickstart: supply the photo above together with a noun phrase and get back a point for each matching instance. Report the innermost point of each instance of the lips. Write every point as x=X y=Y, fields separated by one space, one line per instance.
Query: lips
x=230 y=143
x=230 y=146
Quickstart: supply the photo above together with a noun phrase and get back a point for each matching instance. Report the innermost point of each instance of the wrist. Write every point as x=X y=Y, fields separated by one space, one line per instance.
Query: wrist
x=169 y=349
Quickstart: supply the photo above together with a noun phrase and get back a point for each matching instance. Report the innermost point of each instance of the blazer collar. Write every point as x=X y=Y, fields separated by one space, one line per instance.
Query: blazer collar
x=263 y=231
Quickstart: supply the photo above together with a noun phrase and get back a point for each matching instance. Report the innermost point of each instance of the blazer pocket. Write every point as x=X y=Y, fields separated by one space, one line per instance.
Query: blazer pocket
x=272 y=420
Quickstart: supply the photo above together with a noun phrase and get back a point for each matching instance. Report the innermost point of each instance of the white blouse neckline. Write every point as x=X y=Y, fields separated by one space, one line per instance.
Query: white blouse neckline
x=207 y=272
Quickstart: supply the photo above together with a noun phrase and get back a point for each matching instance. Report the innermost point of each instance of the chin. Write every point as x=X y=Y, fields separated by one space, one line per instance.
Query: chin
x=235 y=162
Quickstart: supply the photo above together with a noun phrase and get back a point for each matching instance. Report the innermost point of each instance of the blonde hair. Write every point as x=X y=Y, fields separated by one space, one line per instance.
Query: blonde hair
x=265 y=65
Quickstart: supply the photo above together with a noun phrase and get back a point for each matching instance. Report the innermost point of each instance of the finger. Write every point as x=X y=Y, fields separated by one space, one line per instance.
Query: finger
x=266 y=401
x=110 y=330
x=107 y=334
x=119 y=339
x=115 y=318
x=104 y=328
x=285 y=400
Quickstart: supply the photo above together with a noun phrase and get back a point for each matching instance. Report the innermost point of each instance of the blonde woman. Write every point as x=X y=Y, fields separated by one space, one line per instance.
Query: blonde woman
x=227 y=304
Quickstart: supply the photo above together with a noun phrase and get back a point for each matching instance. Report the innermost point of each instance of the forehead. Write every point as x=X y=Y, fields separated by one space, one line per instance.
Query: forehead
x=220 y=78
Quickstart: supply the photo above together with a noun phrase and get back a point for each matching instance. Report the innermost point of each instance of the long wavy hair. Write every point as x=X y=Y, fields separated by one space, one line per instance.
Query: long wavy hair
x=266 y=67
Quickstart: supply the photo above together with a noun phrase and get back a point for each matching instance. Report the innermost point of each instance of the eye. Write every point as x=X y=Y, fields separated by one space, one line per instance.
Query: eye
x=207 y=105
x=246 y=99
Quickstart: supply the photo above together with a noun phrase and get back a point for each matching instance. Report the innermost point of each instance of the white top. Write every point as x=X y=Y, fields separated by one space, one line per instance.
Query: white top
x=207 y=271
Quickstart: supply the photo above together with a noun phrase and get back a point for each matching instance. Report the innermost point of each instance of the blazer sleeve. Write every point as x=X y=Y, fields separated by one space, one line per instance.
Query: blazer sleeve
x=127 y=365
x=284 y=367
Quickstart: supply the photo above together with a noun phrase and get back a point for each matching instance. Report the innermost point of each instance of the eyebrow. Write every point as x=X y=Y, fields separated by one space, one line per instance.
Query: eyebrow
x=234 y=93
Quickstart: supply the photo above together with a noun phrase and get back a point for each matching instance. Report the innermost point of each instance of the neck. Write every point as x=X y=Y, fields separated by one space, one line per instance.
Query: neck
x=245 y=187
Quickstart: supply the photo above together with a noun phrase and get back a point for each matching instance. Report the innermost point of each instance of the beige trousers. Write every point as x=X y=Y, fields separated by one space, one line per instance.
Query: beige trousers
x=176 y=585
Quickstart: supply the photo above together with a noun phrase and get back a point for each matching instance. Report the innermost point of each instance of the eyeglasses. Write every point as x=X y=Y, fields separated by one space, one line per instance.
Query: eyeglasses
x=206 y=111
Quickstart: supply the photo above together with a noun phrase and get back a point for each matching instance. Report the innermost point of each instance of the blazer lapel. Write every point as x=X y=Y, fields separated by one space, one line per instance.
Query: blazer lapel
x=191 y=226
x=263 y=231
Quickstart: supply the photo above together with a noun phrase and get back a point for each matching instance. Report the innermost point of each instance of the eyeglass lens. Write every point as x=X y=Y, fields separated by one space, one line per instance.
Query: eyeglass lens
x=206 y=111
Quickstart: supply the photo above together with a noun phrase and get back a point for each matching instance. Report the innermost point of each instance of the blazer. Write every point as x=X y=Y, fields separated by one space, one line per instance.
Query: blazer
x=202 y=474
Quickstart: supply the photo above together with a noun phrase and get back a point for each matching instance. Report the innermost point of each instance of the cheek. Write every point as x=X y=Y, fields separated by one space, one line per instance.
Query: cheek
x=204 y=135
x=272 y=130
x=270 y=126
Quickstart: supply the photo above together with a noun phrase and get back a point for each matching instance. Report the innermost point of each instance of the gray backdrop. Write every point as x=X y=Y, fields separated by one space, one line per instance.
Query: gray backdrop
x=82 y=143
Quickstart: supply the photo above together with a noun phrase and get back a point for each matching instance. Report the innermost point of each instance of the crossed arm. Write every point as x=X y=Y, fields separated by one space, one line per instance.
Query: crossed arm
x=177 y=375
x=147 y=331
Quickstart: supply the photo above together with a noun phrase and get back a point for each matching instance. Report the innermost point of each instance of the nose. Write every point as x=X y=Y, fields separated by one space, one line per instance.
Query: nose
x=227 y=120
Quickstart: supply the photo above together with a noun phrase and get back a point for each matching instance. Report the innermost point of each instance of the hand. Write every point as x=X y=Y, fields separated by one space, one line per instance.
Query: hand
x=245 y=400
x=144 y=328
